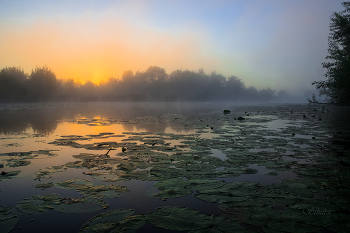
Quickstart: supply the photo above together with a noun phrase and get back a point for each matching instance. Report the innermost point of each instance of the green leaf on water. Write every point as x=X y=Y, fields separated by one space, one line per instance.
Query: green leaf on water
x=8 y=222
x=179 y=218
x=120 y=220
x=39 y=204
x=172 y=188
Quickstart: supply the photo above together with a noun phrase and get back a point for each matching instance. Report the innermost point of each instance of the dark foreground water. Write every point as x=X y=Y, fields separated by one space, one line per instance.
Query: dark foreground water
x=159 y=167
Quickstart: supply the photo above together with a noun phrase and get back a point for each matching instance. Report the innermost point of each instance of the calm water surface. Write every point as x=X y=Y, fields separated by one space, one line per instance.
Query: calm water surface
x=273 y=144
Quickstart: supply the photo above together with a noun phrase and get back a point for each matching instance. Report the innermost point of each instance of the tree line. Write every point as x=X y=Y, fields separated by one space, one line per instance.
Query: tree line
x=153 y=84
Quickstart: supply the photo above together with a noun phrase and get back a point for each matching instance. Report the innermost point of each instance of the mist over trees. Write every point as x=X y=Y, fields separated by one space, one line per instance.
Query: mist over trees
x=153 y=84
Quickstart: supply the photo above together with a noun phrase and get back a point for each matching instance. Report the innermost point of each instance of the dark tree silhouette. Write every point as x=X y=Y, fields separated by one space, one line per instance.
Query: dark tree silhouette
x=88 y=92
x=266 y=94
x=12 y=81
x=234 y=88
x=337 y=85
x=42 y=84
x=153 y=84
x=69 y=89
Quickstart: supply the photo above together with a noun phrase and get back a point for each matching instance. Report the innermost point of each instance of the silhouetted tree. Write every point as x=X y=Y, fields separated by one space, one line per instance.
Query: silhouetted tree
x=69 y=89
x=12 y=81
x=266 y=94
x=153 y=84
x=184 y=85
x=128 y=76
x=42 y=84
x=88 y=91
x=217 y=81
x=234 y=88
x=110 y=90
x=337 y=85
x=282 y=95
x=155 y=74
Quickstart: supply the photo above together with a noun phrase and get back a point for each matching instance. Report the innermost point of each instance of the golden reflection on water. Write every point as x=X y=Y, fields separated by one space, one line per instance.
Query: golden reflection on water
x=67 y=128
x=30 y=139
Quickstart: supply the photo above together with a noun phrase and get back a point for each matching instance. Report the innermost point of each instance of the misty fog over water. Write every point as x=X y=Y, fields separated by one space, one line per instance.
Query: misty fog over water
x=153 y=84
x=43 y=118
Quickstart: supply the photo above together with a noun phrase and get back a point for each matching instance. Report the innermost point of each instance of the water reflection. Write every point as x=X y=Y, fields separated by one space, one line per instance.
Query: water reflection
x=44 y=118
x=339 y=126
x=163 y=144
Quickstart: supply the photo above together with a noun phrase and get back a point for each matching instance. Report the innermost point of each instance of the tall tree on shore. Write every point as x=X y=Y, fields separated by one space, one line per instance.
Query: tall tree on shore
x=337 y=85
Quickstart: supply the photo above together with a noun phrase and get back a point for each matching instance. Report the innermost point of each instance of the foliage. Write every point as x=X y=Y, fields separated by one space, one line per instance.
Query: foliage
x=42 y=84
x=337 y=85
x=11 y=83
x=153 y=84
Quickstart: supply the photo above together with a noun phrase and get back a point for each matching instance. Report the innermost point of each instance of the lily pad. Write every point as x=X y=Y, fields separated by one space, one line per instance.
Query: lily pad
x=8 y=175
x=17 y=163
x=8 y=222
x=108 y=176
x=81 y=205
x=44 y=186
x=39 y=204
x=230 y=192
x=73 y=184
x=200 y=185
x=179 y=218
x=87 y=188
x=49 y=171
x=172 y=188
x=221 y=224
x=120 y=220
x=5 y=210
x=103 y=191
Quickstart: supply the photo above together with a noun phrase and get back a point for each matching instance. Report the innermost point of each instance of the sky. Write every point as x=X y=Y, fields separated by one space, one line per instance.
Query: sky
x=266 y=43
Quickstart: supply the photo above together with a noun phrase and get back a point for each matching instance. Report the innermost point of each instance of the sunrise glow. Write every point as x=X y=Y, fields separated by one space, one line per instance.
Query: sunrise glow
x=263 y=43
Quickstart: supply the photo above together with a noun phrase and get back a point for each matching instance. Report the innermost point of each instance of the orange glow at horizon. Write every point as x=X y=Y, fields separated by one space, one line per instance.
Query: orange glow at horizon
x=95 y=51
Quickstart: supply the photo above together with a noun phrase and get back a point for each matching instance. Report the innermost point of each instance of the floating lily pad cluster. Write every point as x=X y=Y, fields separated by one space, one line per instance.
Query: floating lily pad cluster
x=39 y=204
x=280 y=139
x=18 y=159
x=8 y=175
x=87 y=188
x=170 y=218
x=91 y=200
x=7 y=220
x=120 y=220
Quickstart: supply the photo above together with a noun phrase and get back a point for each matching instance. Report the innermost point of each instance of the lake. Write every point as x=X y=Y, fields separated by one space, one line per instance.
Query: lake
x=174 y=167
